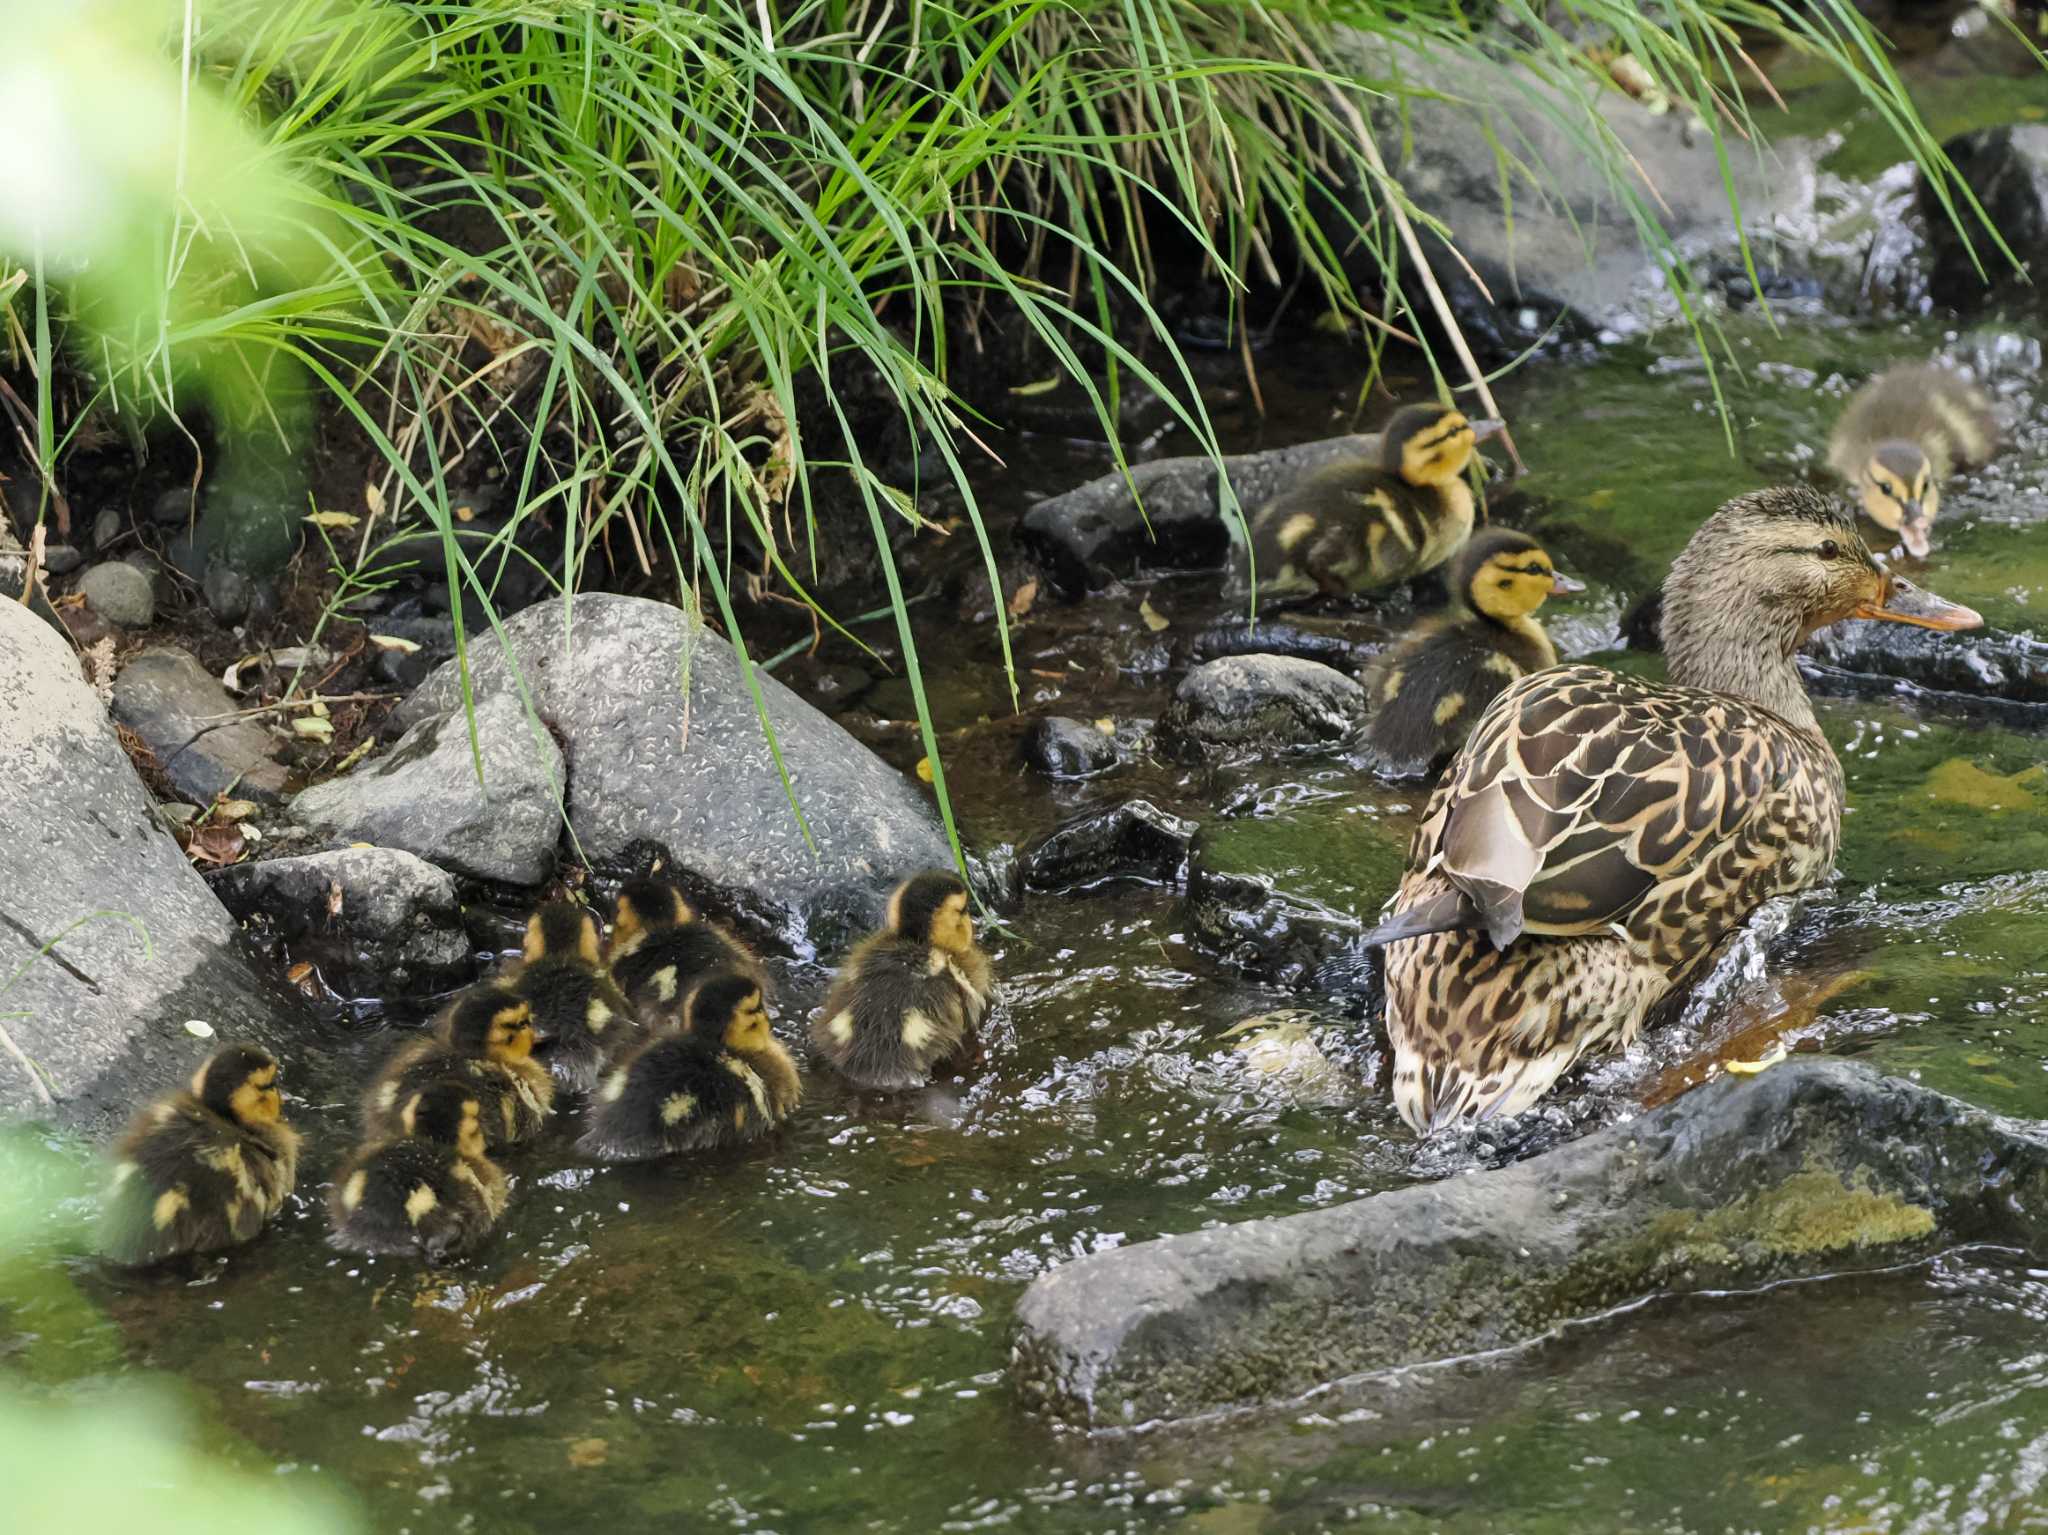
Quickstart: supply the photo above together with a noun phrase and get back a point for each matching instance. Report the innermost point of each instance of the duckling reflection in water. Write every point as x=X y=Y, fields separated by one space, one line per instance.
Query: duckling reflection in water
x=1903 y=434
x=1428 y=689
x=1365 y=523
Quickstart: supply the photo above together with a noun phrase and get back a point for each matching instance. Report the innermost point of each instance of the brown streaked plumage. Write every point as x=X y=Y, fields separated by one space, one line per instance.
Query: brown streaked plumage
x=1902 y=435
x=1428 y=689
x=1365 y=523
x=1598 y=836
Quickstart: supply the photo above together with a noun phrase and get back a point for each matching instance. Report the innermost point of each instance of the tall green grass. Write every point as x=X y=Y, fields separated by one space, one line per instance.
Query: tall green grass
x=615 y=249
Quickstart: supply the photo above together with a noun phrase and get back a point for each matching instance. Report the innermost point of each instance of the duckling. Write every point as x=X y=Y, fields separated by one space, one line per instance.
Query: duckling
x=661 y=947
x=1427 y=690
x=428 y=1190
x=581 y=1018
x=1903 y=434
x=723 y=1079
x=484 y=1041
x=202 y=1169
x=1357 y=525
x=910 y=995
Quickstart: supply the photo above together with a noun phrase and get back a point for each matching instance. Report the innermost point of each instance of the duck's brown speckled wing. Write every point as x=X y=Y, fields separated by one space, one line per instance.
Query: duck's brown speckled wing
x=1581 y=791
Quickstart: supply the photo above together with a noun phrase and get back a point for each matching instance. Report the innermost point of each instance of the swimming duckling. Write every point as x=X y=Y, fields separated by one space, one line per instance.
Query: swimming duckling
x=485 y=1042
x=910 y=995
x=1427 y=690
x=429 y=1190
x=581 y=1019
x=1904 y=433
x=202 y=1169
x=1358 y=524
x=721 y=1080
x=661 y=947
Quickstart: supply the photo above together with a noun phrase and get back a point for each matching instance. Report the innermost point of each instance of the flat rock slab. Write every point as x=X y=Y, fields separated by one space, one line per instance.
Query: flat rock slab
x=652 y=765
x=166 y=697
x=1816 y=1166
x=103 y=1012
x=423 y=795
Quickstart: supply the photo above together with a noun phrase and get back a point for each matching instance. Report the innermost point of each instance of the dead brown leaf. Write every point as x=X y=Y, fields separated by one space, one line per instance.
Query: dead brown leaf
x=1023 y=597
x=585 y=1453
x=217 y=842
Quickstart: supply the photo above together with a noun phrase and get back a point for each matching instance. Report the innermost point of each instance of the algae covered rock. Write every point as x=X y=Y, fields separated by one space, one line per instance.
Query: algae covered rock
x=1261 y=705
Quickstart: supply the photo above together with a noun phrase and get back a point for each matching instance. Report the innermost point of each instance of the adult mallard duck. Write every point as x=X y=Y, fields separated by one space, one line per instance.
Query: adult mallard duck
x=1598 y=836
x=1363 y=523
x=1905 y=432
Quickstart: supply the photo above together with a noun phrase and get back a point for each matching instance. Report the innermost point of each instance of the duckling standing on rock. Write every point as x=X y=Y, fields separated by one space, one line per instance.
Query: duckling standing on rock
x=1427 y=690
x=581 y=1019
x=202 y=1169
x=1357 y=525
x=722 y=1080
x=485 y=1042
x=911 y=995
x=660 y=948
x=1904 y=433
x=428 y=1190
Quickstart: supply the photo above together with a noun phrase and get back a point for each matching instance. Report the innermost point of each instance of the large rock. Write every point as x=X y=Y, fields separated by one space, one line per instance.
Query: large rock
x=1256 y=705
x=1813 y=1167
x=137 y=945
x=423 y=794
x=2005 y=673
x=2006 y=169
x=652 y=765
x=166 y=697
x=375 y=921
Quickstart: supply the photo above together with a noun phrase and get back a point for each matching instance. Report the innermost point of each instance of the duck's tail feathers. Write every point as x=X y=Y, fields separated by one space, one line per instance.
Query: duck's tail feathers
x=1443 y=1094
x=1450 y=911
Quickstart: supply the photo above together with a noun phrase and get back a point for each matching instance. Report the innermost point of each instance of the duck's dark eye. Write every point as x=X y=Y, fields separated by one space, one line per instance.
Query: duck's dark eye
x=1829 y=549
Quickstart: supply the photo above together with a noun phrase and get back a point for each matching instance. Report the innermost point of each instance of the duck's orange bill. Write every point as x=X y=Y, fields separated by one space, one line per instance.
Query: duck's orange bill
x=1905 y=603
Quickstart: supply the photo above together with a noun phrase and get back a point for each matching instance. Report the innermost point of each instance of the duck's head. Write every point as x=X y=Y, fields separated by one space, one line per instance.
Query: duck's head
x=492 y=1021
x=1506 y=575
x=646 y=905
x=730 y=1009
x=1897 y=489
x=239 y=1082
x=447 y=1114
x=932 y=908
x=561 y=929
x=1431 y=444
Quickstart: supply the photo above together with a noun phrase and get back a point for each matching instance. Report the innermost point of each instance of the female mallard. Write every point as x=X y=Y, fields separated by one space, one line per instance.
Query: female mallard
x=1599 y=836
x=1427 y=690
x=1905 y=432
x=1363 y=523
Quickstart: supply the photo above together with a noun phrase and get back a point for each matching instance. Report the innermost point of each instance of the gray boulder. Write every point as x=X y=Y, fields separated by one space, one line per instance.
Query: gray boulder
x=137 y=945
x=1813 y=1167
x=1062 y=748
x=120 y=594
x=166 y=697
x=1254 y=705
x=652 y=765
x=422 y=795
x=375 y=921
x=2006 y=169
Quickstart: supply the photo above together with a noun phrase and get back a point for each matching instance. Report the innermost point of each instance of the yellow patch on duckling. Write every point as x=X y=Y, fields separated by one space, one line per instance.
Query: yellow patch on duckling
x=614 y=1087
x=352 y=1191
x=123 y=1172
x=756 y=1088
x=420 y=1203
x=1295 y=529
x=597 y=1015
x=665 y=983
x=918 y=1030
x=1501 y=664
x=936 y=964
x=841 y=1027
x=677 y=1107
x=1447 y=707
x=170 y=1204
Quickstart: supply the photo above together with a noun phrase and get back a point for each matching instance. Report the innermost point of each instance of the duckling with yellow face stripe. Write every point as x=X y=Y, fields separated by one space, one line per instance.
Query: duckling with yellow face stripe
x=661 y=947
x=910 y=996
x=1427 y=690
x=723 y=1079
x=1903 y=434
x=580 y=1017
x=1357 y=525
x=484 y=1040
x=202 y=1169
x=428 y=1191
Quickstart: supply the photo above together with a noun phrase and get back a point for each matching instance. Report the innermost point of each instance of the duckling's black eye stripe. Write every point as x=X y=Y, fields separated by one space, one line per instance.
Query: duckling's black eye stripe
x=1444 y=436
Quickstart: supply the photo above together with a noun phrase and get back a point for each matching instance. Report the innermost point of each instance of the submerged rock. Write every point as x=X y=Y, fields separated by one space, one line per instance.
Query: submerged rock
x=1812 y=1167
x=1131 y=840
x=167 y=698
x=649 y=770
x=1239 y=706
x=422 y=795
x=137 y=945
x=1062 y=748
x=375 y=921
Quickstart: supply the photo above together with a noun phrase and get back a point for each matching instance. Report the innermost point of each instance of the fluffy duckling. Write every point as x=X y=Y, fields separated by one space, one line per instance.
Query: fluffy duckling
x=580 y=1017
x=485 y=1042
x=1427 y=690
x=722 y=1080
x=429 y=1190
x=1905 y=432
x=204 y=1168
x=1360 y=524
x=661 y=947
x=910 y=995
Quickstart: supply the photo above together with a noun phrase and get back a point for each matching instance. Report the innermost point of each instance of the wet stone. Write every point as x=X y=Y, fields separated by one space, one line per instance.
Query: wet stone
x=2008 y=672
x=120 y=594
x=1064 y=748
x=173 y=507
x=1131 y=840
x=2006 y=169
x=228 y=592
x=61 y=559
x=1241 y=706
x=167 y=698
x=107 y=526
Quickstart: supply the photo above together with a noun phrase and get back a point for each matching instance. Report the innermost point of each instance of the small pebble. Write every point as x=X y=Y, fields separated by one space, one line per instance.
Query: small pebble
x=120 y=594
